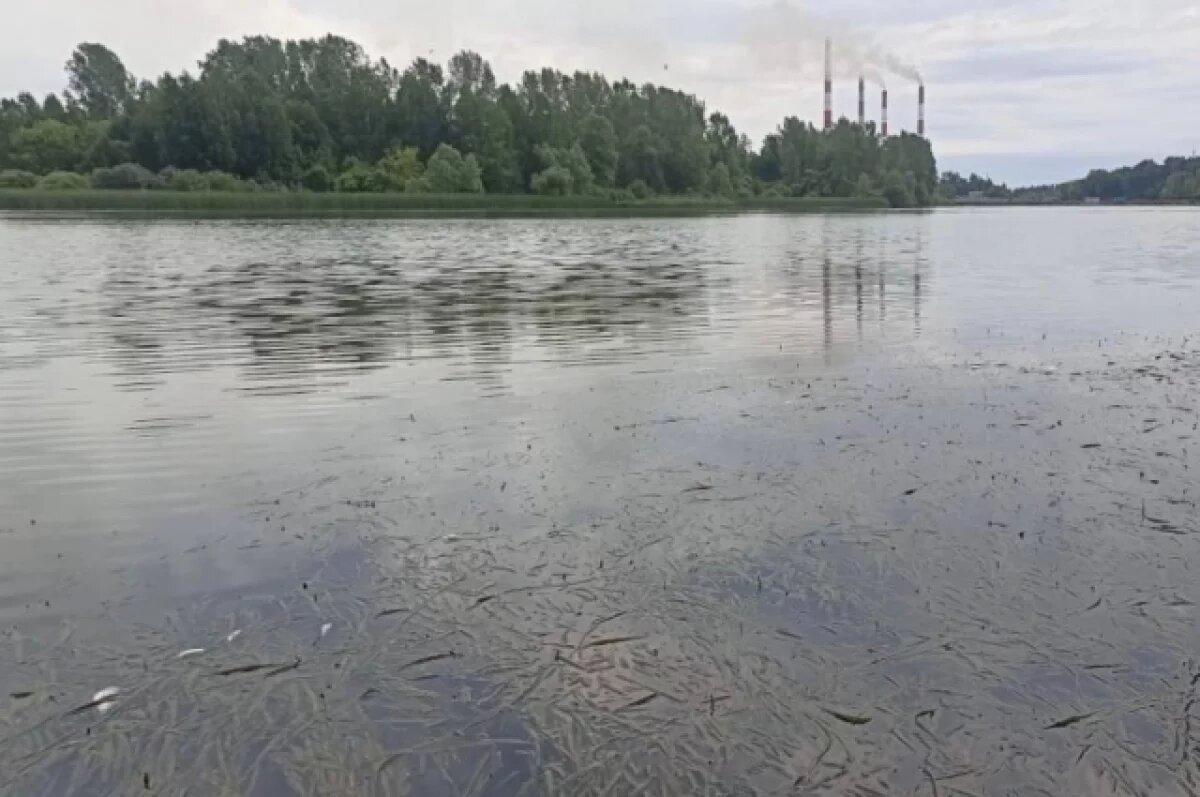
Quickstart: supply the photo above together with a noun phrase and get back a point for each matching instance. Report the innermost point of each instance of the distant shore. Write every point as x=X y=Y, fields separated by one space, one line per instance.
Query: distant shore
x=1033 y=203
x=303 y=203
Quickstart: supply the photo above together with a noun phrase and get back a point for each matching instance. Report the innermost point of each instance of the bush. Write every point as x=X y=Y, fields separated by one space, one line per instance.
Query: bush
x=46 y=146
x=17 y=178
x=395 y=169
x=223 y=181
x=125 y=176
x=448 y=172
x=556 y=163
x=183 y=179
x=640 y=189
x=416 y=185
x=266 y=184
x=317 y=178
x=63 y=181
x=719 y=181
x=555 y=181
x=356 y=179
x=897 y=194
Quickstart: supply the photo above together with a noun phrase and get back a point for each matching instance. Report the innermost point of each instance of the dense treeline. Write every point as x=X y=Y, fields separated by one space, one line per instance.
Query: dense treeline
x=954 y=186
x=321 y=115
x=1174 y=180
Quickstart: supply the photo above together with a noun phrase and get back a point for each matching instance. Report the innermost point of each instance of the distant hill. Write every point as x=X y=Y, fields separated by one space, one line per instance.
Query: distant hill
x=1173 y=180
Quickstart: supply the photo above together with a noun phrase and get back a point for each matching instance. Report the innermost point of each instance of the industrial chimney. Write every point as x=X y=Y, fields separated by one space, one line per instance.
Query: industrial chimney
x=829 y=84
x=862 y=102
x=921 y=111
x=883 y=116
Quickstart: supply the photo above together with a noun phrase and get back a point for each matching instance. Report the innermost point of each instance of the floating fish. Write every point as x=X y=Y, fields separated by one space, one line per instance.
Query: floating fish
x=190 y=652
x=233 y=635
x=102 y=701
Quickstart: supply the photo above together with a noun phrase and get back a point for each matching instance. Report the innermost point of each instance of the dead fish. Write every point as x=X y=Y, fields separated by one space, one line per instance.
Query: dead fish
x=850 y=719
x=233 y=635
x=1069 y=721
x=429 y=659
x=101 y=701
x=245 y=669
x=295 y=665
x=641 y=701
x=325 y=629
x=616 y=640
x=189 y=652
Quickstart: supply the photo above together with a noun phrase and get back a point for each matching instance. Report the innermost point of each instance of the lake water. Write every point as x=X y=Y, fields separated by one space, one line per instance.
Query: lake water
x=758 y=504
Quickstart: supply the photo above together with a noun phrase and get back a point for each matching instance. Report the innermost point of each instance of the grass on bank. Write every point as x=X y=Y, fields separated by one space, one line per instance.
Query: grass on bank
x=309 y=202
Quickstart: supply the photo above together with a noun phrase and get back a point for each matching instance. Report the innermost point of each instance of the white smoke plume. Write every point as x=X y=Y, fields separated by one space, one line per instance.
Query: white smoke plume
x=787 y=36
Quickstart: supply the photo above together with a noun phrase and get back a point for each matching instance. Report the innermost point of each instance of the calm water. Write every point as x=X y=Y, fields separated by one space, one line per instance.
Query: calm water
x=880 y=503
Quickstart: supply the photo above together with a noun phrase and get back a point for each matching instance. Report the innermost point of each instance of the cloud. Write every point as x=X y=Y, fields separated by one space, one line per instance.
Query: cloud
x=1032 y=88
x=1007 y=67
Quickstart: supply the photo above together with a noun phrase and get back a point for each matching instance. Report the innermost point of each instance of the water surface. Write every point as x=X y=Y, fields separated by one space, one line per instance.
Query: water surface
x=867 y=503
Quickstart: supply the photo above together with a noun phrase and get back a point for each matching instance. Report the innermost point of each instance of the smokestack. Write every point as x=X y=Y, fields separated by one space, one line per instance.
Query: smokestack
x=829 y=84
x=921 y=111
x=862 y=102
x=883 y=116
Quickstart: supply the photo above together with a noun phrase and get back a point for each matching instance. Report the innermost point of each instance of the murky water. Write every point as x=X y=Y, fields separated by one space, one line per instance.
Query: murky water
x=862 y=504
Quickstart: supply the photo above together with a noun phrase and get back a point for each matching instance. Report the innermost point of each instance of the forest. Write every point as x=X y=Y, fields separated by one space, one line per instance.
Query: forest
x=321 y=115
x=1173 y=180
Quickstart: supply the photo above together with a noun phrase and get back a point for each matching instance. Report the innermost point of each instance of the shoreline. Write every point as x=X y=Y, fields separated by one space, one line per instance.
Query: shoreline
x=303 y=204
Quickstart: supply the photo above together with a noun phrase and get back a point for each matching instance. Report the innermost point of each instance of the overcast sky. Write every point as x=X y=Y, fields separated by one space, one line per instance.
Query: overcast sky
x=1027 y=91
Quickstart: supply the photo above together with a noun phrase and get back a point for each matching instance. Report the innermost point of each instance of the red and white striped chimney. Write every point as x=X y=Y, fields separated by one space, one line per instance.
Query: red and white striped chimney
x=921 y=111
x=883 y=116
x=862 y=102
x=829 y=84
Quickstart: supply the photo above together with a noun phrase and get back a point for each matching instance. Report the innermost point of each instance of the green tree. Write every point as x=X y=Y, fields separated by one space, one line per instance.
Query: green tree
x=294 y=113
x=420 y=117
x=397 y=167
x=448 y=172
x=577 y=163
x=719 y=181
x=99 y=81
x=1181 y=185
x=357 y=178
x=897 y=191
x=640 y=161
x=47 y=146
x=599 y=143
x=469 y=72
x=100 y=147
x=553 y=181
x=52 y=108
x=725 y=145
x=317 y=178
x=311 y=142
